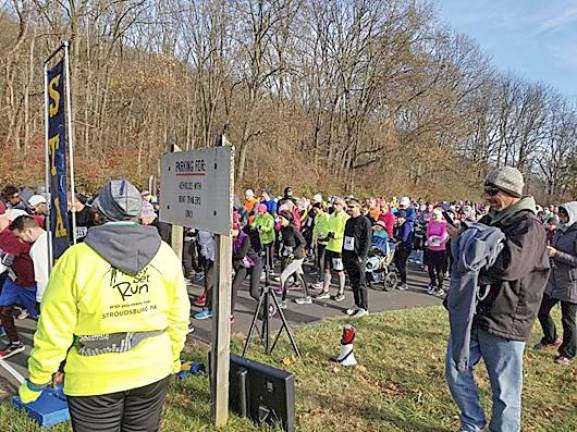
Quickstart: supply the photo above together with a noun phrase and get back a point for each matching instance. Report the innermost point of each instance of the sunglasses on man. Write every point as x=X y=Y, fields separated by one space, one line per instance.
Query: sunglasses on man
x=491 y=190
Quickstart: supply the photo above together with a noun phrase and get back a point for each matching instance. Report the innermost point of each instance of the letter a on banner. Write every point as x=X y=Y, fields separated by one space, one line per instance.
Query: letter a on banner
x=56 y=159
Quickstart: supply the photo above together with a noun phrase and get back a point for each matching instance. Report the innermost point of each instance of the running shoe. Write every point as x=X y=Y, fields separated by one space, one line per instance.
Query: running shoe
x=203 y=314
x=547 y=345
x=303 y=300
x=200 y=301
x=11 y=349
x=339 y=297
x=352 y=311
x=360 y=313
x=563 y=361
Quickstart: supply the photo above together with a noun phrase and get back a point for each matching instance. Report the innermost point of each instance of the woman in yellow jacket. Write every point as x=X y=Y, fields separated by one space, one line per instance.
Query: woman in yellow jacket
x=116 y=309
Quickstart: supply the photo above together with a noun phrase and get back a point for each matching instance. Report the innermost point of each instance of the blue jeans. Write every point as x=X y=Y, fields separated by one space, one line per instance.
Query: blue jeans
x=13 y=294
x=504 y=361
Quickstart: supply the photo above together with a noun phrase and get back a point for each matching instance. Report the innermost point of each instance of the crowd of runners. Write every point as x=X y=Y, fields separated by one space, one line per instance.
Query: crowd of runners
x=367 y=241
x=273 y=238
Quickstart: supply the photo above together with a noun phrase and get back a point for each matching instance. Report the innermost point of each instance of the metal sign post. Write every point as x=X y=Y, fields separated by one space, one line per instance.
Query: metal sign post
x=196 y=190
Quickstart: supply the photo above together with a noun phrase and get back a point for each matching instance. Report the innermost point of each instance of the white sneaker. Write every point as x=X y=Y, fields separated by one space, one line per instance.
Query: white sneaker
x=303 y=300
x=339 y=297
x=440 y=292
x=352 y=311
x=360 y=313
x=431 y=289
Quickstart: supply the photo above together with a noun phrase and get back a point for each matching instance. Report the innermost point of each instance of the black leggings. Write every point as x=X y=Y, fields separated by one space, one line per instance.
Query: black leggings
x=435 y=266
x=568 y=312
x=268 y=251
x=136 y=410
x=321 y=250
x=401 y=256
x=208 y=281
x=239 y=277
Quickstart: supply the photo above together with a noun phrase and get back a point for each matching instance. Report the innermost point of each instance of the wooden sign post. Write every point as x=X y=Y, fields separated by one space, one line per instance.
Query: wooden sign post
x=196 y=190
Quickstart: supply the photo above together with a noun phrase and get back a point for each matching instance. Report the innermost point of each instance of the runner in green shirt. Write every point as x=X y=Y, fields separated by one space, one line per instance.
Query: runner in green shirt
x=333 y=254
x=264 y=224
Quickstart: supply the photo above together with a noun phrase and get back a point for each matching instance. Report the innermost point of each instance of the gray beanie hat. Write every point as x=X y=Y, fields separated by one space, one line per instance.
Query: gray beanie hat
x=119 y=200
x=508 y=179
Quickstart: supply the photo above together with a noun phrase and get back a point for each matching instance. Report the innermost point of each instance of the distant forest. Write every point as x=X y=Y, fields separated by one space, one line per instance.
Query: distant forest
x=357 y=96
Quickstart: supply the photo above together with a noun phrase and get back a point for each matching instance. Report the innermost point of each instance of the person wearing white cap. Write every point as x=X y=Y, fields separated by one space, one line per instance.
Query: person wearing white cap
x=38 y=205
x=405 y=203
x=250 y=201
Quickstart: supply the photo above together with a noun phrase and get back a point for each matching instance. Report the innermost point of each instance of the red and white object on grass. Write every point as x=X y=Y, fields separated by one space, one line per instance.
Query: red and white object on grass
x=346 y=356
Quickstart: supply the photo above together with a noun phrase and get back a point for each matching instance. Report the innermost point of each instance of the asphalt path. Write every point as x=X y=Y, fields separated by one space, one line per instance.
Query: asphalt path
x=296 y=315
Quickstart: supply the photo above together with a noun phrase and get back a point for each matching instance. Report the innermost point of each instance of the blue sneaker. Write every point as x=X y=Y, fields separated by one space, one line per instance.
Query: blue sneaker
x=203 y=314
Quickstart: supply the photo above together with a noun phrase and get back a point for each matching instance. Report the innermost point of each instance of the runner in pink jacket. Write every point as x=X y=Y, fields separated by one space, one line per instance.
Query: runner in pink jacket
x=436 y=244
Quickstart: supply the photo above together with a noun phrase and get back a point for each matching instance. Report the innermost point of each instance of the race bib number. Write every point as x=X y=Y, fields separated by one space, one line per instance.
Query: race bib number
x=349 y=244
x=81 y=232
x=338 y=264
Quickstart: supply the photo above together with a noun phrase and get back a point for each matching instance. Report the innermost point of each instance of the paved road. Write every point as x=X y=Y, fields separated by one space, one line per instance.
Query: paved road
x=295 y=314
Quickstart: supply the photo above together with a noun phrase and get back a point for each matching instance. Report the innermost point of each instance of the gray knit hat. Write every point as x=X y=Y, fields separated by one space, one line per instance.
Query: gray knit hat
x=119 y=200
x=508 y=179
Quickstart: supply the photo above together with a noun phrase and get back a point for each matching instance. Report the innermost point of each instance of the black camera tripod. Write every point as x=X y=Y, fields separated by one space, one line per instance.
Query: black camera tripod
x=268 y=298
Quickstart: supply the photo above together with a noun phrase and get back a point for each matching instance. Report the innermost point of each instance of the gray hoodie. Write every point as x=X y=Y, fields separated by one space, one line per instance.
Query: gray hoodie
x=127 y=246
x=563 y=278
x=476 y=248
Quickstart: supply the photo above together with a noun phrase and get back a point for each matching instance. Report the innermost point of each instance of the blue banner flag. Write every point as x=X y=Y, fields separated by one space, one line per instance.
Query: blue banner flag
x=57 y=160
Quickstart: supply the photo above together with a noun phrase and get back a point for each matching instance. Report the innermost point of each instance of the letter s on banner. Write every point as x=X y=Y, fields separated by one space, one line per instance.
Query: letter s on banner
x=57 y=159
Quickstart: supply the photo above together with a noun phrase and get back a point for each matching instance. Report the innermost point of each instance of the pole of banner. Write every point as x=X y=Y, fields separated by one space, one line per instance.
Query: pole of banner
x=151 y=185
x=66 y=45
x=47 y=166
x=177 y=232
x=221 y=301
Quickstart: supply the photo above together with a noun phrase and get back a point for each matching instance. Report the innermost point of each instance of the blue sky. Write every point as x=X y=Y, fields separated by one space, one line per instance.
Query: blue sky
x=536 y=39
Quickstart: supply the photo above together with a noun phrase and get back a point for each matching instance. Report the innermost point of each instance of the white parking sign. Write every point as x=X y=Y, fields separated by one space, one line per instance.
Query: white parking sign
x=195 y=189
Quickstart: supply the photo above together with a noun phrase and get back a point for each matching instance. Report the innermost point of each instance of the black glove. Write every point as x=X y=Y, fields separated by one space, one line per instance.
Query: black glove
x=330 y=236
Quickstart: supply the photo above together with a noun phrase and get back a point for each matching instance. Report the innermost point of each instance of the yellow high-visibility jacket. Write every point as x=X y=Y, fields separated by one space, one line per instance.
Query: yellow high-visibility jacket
x=88 y=296
x=321 y=229
x=337 y=222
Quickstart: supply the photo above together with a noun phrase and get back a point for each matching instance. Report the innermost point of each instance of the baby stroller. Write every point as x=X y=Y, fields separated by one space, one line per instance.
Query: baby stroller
x=379 y=271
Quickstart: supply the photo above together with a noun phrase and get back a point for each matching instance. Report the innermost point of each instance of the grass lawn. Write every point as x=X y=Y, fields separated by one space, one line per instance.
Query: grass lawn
x=398 y=386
